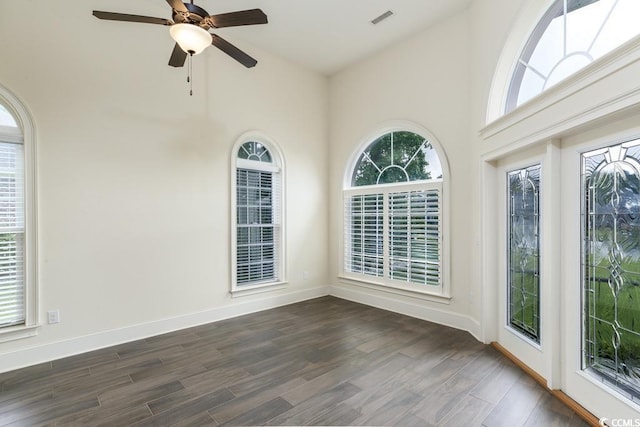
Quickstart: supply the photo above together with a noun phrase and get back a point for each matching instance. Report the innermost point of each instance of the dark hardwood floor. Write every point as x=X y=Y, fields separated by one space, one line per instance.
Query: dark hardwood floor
x=321 y=362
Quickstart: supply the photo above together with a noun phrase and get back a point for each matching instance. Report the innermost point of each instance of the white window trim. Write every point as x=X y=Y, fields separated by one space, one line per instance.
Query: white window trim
x=28 y=138
x=277 y=166
x=443 y=292
x=18 y=332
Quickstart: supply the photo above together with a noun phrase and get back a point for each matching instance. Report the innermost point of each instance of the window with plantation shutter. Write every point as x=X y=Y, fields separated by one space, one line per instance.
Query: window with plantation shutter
x=257 y=239
x=18 y=311
x=393 y=215
x=12 y=290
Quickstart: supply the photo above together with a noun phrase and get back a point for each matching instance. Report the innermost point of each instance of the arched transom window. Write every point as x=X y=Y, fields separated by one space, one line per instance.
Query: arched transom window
x=6 y=119
x=397 y=157
x=253 y=150
x=571 y=35
x=393 y=214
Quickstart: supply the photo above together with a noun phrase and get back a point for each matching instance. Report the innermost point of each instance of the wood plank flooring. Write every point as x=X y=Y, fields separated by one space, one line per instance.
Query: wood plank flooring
x=321 y=362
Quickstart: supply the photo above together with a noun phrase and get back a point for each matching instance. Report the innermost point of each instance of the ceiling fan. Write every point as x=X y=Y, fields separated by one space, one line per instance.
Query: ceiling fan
x=190 y=29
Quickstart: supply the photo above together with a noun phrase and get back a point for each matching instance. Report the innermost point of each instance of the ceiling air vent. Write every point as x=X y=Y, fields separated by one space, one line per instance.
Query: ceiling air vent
x=382 y=17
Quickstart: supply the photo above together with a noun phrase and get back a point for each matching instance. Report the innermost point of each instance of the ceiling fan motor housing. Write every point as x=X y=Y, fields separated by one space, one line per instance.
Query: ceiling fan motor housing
x=196 y=15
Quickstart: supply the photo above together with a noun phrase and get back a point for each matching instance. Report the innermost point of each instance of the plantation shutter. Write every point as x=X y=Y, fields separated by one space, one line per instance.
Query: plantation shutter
x=415 y=237
x=12 y=235
x=364 y=251
x=258 y=220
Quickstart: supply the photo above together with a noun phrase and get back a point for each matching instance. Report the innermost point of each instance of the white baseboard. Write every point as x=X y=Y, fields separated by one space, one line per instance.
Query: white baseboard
x=417 y=310
x=57 y=350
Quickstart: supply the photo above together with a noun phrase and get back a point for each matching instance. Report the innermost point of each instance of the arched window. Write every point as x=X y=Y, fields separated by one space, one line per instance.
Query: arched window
x=257 y=215
x=571 y=35
x=394 y=214
x=18 y=310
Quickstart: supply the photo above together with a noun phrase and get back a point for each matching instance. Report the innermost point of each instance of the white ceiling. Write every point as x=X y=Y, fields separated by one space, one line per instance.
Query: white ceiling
x=323 y=35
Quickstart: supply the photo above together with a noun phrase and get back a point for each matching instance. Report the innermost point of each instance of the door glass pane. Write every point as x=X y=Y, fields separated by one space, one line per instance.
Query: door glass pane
x=524 y=251
x=611 y=266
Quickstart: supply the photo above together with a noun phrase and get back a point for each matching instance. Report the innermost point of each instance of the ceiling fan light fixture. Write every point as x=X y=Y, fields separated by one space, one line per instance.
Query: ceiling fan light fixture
x=190 y=37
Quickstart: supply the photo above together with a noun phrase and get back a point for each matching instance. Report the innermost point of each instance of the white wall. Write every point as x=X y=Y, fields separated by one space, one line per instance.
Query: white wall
x=424 y=80
x=134 y=175
x=488 y=36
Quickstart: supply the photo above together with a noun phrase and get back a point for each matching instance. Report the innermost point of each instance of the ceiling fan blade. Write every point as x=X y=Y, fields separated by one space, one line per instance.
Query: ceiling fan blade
x=233 y=51
x=178 y=56
x=178 y=5
x=130 y=18
x=243 y=17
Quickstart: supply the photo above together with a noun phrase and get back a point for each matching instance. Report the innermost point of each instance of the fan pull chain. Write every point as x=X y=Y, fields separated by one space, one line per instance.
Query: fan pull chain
x=190 y=75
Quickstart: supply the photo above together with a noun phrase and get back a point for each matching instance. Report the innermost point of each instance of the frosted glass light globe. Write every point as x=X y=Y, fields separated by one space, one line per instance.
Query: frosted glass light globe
x=190 y=37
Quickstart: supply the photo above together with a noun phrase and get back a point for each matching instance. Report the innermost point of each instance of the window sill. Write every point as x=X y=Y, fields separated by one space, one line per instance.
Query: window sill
x=18 y=332
x=517 y=334
x=396 y=290
x=257 y=289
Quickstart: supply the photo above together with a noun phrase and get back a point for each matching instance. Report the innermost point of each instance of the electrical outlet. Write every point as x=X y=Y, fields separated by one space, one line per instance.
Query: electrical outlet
x=305 y=275
x=53 y=316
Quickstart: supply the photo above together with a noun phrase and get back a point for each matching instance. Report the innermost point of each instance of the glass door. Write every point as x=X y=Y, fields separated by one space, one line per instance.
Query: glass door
x=521 y=304
x=601 y=292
